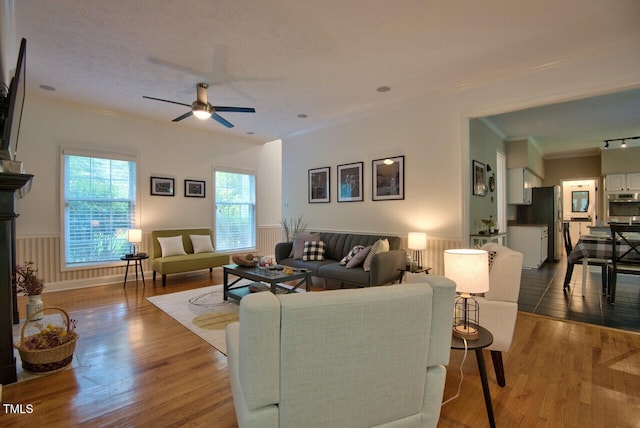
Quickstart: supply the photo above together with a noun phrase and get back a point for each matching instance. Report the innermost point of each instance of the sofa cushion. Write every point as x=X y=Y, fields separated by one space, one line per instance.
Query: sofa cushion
x=380 y=246
x=201 y=244
x=172 y=246
x=313 y=250
x=358 y=259
x=298 y=244
x=355 y=250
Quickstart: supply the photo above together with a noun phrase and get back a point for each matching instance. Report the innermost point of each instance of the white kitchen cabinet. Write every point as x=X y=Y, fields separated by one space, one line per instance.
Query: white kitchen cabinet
x=520 y=181
x=532 y=241
x=622 y=182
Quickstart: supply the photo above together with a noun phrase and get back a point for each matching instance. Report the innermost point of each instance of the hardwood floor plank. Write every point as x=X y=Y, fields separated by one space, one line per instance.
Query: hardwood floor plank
x=139 y=367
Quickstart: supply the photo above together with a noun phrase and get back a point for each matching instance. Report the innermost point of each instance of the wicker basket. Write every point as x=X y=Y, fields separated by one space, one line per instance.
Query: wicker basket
x=44 y=360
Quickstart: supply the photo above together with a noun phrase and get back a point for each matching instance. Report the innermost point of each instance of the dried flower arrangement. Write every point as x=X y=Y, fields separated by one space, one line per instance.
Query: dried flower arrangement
x=26 y=281
x=50 y=336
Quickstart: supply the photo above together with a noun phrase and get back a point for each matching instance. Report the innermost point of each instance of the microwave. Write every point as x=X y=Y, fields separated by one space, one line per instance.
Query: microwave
x=623 y=207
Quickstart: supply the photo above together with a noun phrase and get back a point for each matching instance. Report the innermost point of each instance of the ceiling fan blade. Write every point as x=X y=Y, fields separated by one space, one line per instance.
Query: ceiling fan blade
x=184 y=116
x=166 y=101
x=215 y=116
x=235 y=109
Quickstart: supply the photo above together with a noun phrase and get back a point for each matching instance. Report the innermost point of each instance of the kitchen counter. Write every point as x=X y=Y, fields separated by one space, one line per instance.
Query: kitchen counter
x=532 y=241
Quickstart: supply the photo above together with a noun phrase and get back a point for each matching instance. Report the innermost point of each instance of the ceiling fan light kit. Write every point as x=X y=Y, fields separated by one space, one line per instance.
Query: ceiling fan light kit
x=201 y=108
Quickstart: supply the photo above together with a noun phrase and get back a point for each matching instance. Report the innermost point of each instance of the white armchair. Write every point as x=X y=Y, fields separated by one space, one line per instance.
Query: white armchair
x=499 y=306
x=357 y=357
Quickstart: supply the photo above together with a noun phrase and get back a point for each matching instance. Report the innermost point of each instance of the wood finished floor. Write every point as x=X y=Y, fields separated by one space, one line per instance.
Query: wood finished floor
x=139 y=367
x=541 y=293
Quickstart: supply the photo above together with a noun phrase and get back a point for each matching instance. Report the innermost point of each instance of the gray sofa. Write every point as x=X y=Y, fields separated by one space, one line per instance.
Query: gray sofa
x=386 y=267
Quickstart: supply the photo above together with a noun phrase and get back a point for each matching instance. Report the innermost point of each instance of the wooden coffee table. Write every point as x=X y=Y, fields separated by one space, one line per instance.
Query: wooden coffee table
x=274 y=278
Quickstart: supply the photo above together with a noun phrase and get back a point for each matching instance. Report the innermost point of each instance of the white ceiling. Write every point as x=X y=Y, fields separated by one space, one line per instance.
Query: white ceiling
x=323 y=59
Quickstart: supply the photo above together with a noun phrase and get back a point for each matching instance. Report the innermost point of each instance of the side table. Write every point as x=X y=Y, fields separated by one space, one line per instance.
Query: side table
x=424 y=270
x=485 y=339
x=137 y=261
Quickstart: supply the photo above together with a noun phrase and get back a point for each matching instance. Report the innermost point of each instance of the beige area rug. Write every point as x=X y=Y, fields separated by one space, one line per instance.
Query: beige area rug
x=32 y=328
x=202 y=310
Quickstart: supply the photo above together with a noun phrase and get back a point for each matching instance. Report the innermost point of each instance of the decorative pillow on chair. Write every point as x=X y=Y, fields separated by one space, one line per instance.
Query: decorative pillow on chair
x=313 y=250
x=172 y=246
x=380 y=246
x=201 y=244
x=298 y=244
x=355 y=250
x=358 y=259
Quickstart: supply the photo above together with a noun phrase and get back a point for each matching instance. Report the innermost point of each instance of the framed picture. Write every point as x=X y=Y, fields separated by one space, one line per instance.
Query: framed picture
x=350 y=182
x=479 y=179
x=388 y=178
x=162 y=186
x=194 y=188
x=319 y=185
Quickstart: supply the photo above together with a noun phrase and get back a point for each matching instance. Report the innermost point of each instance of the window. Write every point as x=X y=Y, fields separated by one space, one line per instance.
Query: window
x=99 y=206
x=235 y=205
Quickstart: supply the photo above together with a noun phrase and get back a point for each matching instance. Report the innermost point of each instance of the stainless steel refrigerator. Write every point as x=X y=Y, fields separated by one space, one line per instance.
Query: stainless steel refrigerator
x=545 y=208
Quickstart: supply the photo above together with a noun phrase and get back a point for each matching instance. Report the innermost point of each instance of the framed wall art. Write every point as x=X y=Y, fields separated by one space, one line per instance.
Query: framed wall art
x=350 y=182
x=388 y=178
x=319 y=185
x=479 y=179
x=194 y=188
x=162 y=186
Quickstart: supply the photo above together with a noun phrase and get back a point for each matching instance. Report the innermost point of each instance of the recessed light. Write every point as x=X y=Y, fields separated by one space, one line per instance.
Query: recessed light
x=302 y=116
x=47 y=87
x=383 y=89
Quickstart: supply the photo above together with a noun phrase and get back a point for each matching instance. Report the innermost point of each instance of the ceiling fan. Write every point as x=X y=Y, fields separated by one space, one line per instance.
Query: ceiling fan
x=201 y=108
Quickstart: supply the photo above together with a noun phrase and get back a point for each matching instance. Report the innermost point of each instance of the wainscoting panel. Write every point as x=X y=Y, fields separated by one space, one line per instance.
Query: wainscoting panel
x=268 y=237
x=44 y=251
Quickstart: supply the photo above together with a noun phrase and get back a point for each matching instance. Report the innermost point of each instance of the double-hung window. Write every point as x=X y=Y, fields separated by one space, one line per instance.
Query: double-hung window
x=98 y=206
x=235 y=210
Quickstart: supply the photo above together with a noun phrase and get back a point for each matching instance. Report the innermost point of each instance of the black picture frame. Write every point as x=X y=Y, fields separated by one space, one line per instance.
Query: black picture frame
x=194 y=188
x=479 y=178
x=162 y=186
x=349 y=183
x=388 y=178
x=319 y=180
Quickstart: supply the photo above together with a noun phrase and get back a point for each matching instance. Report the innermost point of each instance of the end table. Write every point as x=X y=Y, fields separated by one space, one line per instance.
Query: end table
x=485 y=339
x=137 y=261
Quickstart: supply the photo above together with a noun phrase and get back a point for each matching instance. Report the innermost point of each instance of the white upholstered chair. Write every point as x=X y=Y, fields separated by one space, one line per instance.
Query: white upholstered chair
x=499 y=306
x=359 y=357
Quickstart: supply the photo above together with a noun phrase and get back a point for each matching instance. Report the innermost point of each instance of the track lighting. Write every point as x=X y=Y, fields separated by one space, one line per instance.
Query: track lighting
x=623 y=141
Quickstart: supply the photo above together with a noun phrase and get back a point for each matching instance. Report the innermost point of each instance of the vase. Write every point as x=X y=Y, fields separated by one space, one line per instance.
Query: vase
x=34 y=305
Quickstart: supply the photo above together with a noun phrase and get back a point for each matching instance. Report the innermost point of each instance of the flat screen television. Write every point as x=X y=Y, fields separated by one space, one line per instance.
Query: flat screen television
x=13 y=111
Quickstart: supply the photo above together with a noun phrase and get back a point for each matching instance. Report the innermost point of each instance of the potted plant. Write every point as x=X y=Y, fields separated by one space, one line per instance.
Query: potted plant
x=27 y=282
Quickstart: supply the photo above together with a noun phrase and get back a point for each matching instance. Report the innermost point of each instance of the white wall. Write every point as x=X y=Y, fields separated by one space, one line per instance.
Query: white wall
x=163 y=148
x=432 y=134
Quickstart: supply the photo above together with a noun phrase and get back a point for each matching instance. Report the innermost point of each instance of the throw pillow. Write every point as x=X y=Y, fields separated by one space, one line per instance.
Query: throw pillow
x=355 y=250
x=380 y=246
x=313 y=250
x=171 y=246
x=298 y=244
x=201 y=244
x=358 y=259
x=492 y=256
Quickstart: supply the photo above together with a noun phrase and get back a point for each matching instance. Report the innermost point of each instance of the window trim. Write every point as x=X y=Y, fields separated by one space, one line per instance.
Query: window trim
x=235 y=170
x=64 y=151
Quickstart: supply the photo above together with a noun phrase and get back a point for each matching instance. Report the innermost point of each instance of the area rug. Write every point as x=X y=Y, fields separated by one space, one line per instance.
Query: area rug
x=201 y=310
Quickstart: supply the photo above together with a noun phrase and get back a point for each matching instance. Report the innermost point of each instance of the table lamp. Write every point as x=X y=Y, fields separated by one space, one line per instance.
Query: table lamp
x=469 y=269
x=417 y=241
x=134 y=236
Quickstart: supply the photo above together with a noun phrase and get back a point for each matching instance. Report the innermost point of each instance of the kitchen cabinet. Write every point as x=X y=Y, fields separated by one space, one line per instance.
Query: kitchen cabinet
x=622 y=182
x=532 y=241
x=520 y=181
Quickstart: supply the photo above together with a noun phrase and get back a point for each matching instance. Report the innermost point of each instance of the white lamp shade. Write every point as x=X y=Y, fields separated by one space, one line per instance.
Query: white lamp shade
x=469 y=269
x=417 y=241
x=134 y=235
